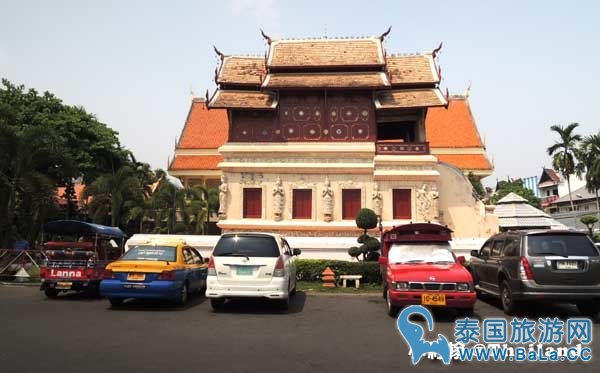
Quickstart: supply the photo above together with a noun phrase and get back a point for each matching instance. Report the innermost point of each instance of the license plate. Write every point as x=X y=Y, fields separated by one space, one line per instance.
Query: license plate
x=64 y=285
x=244 y=271
x=134 y=286
x=567 y=264
x=433 y=299
x=136 y=277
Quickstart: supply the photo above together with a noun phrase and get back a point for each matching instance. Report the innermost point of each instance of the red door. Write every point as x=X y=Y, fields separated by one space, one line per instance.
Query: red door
x=402 y=204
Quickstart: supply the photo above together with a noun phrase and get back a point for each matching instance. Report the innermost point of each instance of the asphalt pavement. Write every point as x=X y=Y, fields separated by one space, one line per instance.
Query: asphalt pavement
x=328 y=333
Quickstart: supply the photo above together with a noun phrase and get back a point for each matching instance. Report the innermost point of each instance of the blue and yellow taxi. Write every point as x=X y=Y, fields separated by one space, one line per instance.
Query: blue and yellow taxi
x=159 y=269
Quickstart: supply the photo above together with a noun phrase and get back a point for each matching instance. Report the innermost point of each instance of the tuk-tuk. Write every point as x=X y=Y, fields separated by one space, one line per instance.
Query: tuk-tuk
x=76 y=255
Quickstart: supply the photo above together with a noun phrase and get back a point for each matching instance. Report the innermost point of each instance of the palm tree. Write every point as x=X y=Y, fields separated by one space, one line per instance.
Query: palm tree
x=563 y=152
x=111 y=194
x=589 y=164
x=26 y=191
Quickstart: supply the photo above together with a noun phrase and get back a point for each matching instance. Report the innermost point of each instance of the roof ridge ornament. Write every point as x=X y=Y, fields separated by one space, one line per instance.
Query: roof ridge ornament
x=266 y=37
x=435 y=52
x=219 y=53
x=385 y=34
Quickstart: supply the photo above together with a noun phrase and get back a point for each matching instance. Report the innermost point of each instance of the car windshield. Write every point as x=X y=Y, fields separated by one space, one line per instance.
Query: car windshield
x=416 y=253
x=153 y=253
x=560 y=245
x=256 y=246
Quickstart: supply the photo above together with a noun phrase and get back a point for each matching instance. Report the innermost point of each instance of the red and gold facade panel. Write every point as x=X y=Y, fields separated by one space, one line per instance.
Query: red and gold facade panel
x=308 y=116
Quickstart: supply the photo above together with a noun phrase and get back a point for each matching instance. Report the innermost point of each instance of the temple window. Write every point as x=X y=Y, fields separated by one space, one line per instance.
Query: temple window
x=402 y=203
x=302 y=204
x=351 y=203
x=404 y=131
x=253 y=203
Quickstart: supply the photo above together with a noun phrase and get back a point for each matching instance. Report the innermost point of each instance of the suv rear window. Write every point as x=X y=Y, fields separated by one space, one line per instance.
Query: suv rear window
x=560 y=245
x=256 y=246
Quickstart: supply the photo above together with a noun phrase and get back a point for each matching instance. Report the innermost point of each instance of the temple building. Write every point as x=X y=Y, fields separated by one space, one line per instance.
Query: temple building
x=299 y=140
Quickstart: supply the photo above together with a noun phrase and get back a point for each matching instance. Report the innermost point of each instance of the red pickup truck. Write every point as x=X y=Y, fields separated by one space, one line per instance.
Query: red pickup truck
x=418 y=267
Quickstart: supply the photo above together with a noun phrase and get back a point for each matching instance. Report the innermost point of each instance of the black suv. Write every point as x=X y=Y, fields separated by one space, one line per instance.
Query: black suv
x=542 y=265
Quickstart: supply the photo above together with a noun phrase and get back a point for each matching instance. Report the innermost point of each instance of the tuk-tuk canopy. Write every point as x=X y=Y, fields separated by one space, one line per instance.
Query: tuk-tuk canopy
x=82 y=228
x=418 y=232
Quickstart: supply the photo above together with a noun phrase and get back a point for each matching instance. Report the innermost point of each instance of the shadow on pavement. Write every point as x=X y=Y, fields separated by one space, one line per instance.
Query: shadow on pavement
x=158 y=305
x=264 y=306
x=540 y=309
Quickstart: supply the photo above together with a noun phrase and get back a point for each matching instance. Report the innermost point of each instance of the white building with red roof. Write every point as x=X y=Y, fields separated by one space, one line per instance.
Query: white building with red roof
x=320 y=128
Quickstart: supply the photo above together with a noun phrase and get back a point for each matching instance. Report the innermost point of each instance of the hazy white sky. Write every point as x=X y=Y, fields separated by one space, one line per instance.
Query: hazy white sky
x=132 y=63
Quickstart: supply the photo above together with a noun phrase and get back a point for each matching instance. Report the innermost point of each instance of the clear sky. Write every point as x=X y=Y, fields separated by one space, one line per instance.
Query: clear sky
x=133 y=63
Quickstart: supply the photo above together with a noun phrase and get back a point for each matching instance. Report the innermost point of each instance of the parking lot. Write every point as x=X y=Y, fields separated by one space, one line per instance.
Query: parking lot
x=332 y=333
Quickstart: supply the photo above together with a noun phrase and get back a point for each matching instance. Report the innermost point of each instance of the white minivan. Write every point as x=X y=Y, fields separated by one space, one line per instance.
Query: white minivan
x=256 y=265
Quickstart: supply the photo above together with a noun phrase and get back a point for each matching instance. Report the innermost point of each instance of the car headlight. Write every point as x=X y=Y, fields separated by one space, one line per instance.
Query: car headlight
x=463 y=286
x=400 y=285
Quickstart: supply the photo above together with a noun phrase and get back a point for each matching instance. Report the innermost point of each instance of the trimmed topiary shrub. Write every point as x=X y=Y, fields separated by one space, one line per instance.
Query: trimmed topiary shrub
x=311 y=269
x=366 y=219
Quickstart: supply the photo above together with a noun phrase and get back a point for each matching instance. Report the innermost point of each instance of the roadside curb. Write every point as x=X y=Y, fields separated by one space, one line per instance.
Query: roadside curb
x=19 y=284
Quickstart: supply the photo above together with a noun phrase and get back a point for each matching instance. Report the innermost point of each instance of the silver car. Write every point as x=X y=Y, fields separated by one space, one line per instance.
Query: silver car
x=537 y=266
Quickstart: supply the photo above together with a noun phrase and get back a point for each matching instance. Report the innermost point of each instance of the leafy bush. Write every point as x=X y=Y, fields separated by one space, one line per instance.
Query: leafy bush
x=311 y=269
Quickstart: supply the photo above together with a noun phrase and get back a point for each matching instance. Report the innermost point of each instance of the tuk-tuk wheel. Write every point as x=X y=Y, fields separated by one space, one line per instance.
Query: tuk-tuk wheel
x=51 y=293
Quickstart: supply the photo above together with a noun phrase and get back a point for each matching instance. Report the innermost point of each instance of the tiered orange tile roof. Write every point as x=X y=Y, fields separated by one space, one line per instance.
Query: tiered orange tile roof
x=60 y=194
x=466 y=161
x=370 y=79
x=325 y=53
x=196 y=162
x=204 y=129
x=412 y=70
x=453 y=127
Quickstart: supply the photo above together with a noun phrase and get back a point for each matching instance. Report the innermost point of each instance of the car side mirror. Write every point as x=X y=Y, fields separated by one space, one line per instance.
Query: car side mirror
x=383 y=260
x=475 y=253
x=461 y=259
x=296 y=252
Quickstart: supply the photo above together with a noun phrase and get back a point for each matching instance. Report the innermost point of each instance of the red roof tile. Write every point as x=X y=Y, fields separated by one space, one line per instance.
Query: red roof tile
x=236 y=99
x=242 y=70
x=60 y=192
x=309 y=53
x=409 y=98
x=466 y=161
x=195 y=162
x=204 y=129
x=367 y=79
x=412 y=69
x=453 y=127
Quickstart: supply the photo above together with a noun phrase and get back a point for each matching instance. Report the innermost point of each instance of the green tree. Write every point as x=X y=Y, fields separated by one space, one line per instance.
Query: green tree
x=505 y=187
x=589 y=221
x=111 y=194
x=477 y=185
x=45 y=140
x=589 y=165
x=563 y=153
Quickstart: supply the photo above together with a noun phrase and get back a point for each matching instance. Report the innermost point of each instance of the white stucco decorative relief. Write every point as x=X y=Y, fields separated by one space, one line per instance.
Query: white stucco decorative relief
x=278 y=200
x=427 y=203
x=223 y=190
x=377 y=200
x=327 y=201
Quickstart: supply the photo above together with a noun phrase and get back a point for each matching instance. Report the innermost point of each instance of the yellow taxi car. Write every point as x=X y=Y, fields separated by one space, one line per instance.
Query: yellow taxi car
x=160 y=269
